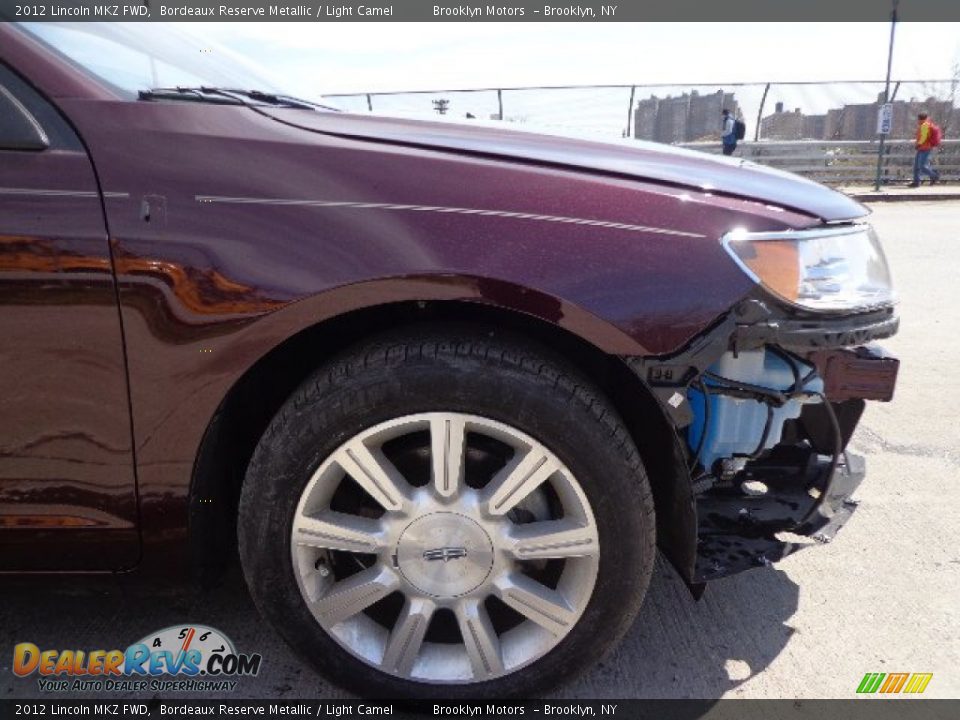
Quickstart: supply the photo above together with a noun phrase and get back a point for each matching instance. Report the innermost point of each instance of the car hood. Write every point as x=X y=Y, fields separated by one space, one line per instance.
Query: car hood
x=631 y=158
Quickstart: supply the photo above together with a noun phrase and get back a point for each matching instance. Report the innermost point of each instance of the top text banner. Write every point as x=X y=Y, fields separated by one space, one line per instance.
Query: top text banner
x=516 y=11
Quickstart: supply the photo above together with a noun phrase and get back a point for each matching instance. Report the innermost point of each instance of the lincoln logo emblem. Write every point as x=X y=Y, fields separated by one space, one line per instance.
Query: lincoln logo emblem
x=445 y=553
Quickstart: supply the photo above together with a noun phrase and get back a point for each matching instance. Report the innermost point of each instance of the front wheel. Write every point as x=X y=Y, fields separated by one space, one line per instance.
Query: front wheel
x=450 y=517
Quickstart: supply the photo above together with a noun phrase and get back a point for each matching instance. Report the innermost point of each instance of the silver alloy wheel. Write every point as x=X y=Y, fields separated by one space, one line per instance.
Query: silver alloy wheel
x=447 y=546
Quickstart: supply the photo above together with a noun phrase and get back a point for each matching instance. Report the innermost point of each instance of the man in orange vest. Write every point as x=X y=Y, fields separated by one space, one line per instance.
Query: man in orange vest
x=928 y=137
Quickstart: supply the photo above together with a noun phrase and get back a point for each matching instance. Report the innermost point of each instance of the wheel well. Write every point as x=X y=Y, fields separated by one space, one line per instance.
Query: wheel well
x=251 y=403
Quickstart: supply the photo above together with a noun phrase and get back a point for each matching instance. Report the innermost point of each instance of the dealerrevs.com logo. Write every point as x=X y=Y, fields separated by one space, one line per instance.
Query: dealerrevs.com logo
x=200 y=658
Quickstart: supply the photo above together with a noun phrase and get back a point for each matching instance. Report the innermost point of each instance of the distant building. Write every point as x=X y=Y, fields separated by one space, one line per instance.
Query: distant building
x=782 y=125
x=905 y=115
x=852 y=122
x=857 y=121
x=792 y=125
x=703 y=120
x=814 y=127
x=672 y=119
x=645 y=118
x=681 y=119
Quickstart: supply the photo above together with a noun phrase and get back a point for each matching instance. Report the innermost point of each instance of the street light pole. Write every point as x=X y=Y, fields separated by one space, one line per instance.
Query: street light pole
x=886 y=91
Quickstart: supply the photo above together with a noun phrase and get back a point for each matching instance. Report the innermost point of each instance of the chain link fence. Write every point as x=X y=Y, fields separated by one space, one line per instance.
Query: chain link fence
x=827 y=131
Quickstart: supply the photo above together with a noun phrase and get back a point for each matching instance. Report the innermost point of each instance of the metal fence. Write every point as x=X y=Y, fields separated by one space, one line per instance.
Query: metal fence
x=827 y=131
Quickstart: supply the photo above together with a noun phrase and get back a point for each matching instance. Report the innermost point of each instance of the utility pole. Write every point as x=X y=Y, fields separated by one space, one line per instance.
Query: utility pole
x=886 y=91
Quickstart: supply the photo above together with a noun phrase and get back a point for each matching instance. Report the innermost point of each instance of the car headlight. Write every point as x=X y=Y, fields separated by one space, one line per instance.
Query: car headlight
x=826 y=269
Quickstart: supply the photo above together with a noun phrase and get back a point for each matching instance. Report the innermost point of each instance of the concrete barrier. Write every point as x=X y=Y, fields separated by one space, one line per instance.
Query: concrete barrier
x=843 y=162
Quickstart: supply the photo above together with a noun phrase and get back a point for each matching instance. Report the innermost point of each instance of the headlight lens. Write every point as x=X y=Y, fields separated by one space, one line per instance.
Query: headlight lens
x=832 y=268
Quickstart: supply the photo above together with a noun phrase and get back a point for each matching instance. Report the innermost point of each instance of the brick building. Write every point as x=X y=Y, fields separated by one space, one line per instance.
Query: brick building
x=686 y=118
x=856 y=121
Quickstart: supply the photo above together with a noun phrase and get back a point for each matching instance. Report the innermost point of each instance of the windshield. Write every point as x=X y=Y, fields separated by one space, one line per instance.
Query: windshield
x=132 y=57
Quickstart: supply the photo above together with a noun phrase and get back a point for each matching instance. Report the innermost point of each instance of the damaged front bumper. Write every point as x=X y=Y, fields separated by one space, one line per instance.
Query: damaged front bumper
x=802 y=506
x=764 y=406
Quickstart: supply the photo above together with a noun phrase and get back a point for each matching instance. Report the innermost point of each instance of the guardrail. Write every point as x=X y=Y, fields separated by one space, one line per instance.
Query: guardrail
x=840 y=162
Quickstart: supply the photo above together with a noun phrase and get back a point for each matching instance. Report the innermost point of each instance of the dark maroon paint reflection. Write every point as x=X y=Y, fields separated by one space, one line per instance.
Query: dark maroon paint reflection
x=206 y=289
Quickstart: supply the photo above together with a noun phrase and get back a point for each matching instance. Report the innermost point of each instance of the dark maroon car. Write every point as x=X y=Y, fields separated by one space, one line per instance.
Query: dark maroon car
x=446 y=387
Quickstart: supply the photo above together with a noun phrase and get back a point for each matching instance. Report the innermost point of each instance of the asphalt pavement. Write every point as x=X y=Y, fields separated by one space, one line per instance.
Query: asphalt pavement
x=884 y=596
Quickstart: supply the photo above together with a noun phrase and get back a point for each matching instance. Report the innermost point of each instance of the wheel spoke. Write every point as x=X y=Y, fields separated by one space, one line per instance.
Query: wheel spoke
x=354 y=594
x=518 y=479
x=480 y=639
x=374 y=473
x=406 y=638
x=338 y=531
x=549 y=539
x=537 y=602
x=447 y=444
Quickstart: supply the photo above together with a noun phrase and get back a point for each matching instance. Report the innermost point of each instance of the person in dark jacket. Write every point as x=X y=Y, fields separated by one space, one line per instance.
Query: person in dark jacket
x=728 y=133
x=928 y=137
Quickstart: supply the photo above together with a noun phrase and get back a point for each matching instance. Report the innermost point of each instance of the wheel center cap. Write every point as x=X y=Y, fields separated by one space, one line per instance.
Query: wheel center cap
x=444 y=554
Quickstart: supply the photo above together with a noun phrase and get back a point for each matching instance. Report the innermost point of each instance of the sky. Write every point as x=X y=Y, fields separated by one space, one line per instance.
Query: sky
x=317 y=58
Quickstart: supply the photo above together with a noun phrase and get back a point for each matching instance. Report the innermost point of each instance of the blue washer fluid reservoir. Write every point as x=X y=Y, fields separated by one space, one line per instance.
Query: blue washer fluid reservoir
x=736 y=425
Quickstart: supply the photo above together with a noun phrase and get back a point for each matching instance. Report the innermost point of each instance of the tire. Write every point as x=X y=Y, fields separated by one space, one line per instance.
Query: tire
x=394 y=394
